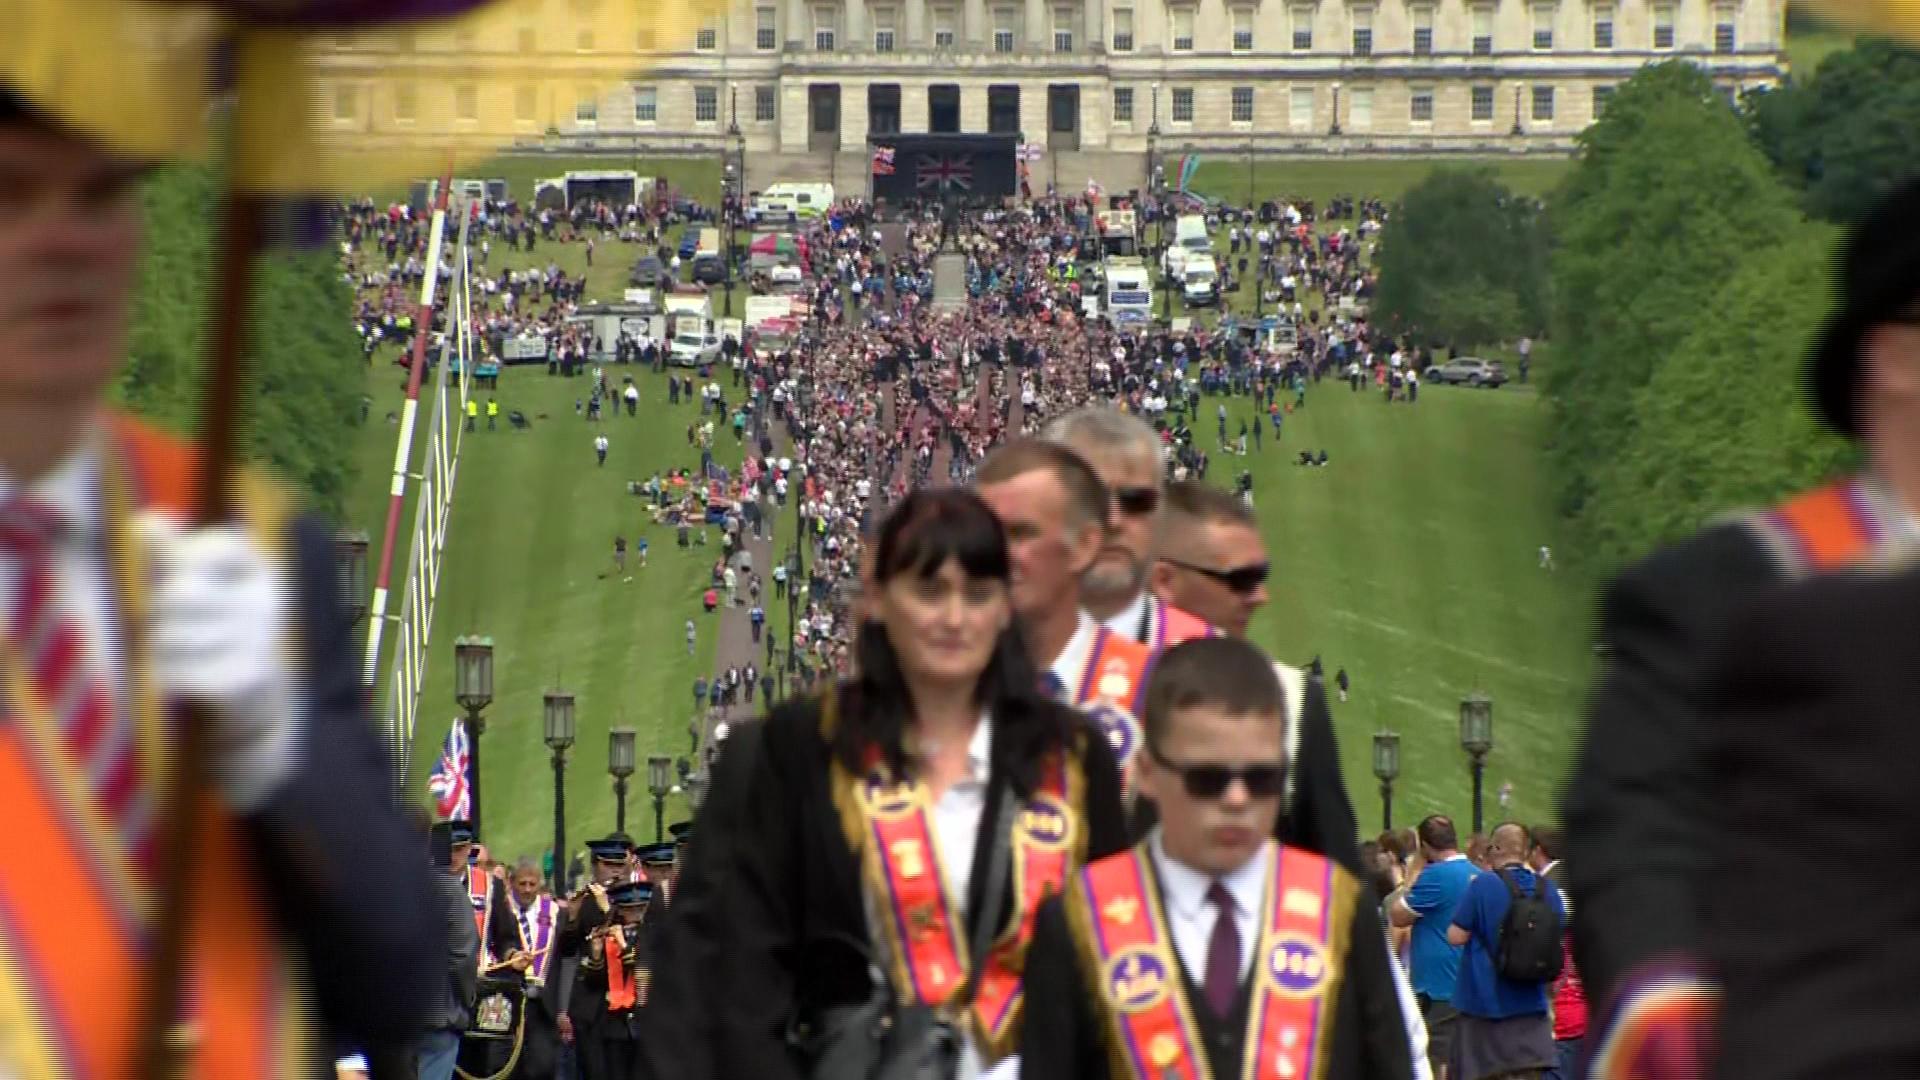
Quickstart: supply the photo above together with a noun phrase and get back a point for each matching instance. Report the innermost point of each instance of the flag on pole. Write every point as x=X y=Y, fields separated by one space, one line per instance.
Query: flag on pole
x=1189 y=164
x=883 y=161
x=450 y=782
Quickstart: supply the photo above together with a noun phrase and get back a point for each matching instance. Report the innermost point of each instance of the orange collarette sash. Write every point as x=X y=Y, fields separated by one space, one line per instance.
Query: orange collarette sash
x=76 y=909
x=480 y=895
x=1168 y=626
x=1109 y=694
x=1823 y=530
x=622 y=989
x=1120 y=932
x=889 y=825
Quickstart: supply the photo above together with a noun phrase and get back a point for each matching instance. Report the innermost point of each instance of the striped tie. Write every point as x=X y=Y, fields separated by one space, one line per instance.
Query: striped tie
x=53 y=653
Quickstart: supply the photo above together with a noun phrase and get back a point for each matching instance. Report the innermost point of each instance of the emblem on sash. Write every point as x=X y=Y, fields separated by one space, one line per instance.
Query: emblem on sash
x=1046 y=823
x=1296 y=966
x=494 y=1015
x=1121 y=730
x=1137 y=980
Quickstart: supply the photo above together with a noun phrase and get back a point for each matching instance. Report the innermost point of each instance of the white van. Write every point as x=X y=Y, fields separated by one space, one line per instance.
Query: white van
x=695 y=342
x=1190 y=238
x=801 y=201
x=1129 y=295
x=1200 y=281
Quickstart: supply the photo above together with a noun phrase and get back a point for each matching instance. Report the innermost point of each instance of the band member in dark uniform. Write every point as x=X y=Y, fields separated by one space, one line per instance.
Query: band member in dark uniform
x=1639 y=805
x=901 y=793
x=587 y=911
x=1211 y=950
x=614 y=970
x=489 y=1040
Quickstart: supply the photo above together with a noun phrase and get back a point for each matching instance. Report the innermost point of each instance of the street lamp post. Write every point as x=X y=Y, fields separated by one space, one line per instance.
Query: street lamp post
x=473 y=690
x=1517 y=129
x=658 y=783
x=1476 y=738
x=1386 y=766
x=1334 y=128
x=620 y=763
x=735 y=181
x=350 y=560
x=559 y=730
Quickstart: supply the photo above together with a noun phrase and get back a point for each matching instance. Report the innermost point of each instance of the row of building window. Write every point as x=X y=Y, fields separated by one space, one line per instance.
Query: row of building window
x=526 y=104
x=1006 y=32
x=1359 y=99
x=1180 y=35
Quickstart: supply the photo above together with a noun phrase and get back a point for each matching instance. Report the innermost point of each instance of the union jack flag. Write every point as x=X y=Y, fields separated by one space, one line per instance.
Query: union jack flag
x=883 y=161
x=450 y=783
x=944 y=173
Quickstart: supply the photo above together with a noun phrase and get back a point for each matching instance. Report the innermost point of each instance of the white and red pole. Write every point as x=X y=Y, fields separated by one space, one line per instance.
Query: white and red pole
x=403 y=448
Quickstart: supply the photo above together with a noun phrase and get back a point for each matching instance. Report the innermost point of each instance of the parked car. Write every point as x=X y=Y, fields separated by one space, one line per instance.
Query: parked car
x=647 y=271
x=1470 y=370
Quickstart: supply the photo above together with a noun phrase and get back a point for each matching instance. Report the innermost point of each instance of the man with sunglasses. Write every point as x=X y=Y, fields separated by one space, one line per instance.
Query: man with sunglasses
x=1130 y=459
x=1221 y=573
x=1220 y=951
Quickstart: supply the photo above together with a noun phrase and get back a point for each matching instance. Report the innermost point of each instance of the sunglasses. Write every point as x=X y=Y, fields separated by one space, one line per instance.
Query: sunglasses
x=1241 y=579
x=1137 y=501
x=1209 y=782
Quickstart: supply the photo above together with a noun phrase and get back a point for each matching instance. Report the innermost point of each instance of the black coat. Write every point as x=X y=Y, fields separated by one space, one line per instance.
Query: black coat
x=1638 y=802
x=348 y=880
x=1064 y=1040
x=678 y=1026
x=1810 y=739
x=795 y=901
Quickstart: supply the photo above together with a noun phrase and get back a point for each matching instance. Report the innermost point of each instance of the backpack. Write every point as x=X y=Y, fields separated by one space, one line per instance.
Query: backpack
x=1529 y=949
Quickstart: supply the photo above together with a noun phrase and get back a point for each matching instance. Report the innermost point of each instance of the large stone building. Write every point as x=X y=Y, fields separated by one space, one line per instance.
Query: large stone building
x=804 y=79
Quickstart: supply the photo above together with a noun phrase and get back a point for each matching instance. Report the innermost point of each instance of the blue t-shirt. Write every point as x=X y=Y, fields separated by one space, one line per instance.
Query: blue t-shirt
x=1482 y=991
x=1434 y=897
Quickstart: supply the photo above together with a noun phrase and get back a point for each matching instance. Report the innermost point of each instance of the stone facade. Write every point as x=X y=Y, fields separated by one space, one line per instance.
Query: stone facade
x=1120 y=76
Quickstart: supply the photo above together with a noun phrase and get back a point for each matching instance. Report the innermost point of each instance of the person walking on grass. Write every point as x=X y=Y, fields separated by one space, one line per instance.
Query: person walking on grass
x=600 y=449
x=692 y=636
x=619 y=555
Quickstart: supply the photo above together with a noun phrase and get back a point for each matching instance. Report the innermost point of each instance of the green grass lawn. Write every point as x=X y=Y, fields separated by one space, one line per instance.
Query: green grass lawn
x=531 y=538
x=1411 y=560
x=1318 y=180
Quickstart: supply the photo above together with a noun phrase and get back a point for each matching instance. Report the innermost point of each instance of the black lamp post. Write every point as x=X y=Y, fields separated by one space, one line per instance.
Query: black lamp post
x=559 y=729
x=1476 y=738
x=735 y=167
x=1386 y=766
x=1334 y=128
x=473 y=690
x=620 y=762
x=793 y=601
x=1517 y=129
x=658 y=783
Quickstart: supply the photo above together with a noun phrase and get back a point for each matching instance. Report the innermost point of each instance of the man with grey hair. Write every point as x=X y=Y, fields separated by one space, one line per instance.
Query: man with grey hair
x=1129 y=457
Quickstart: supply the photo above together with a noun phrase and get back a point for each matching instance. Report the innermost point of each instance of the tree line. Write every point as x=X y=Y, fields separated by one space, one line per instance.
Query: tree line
x=1679 y=271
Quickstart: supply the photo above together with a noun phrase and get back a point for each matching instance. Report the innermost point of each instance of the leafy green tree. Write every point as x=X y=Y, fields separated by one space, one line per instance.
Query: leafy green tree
x=1463 y=261
x=1668 y=198
x=1848 y=134
x=1724 y=423
x=304 y=400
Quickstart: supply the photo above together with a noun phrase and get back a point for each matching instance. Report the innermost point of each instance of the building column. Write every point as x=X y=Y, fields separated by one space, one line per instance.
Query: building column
x=918 y=34
x=795 y=118
x=799 y=25
x=1039 y=30
x=1095 y=21
x=973 y=108
x=913 y=109
x=858 y=35
x=853 y=116
x=975 y=34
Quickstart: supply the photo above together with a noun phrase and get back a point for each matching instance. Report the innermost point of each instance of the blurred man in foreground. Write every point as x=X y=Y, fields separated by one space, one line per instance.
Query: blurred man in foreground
x=112 y=611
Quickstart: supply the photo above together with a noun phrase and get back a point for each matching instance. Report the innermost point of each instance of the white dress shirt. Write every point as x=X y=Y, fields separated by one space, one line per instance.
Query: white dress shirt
x=956 y=828
x=1191 y=917
x=83 y=578
x=1071 y=665
x=1127 y=621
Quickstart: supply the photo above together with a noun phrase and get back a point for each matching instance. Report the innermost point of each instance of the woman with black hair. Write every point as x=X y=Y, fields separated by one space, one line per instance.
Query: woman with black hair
x=876 y=815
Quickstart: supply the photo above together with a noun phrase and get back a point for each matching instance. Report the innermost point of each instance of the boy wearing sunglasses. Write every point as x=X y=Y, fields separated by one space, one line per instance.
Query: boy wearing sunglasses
x=1210 y=950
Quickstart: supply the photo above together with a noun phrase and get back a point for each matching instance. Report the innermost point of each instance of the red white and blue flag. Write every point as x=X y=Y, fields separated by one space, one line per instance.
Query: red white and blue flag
x=450 y=782
x=883 y=161
x=948 y=172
